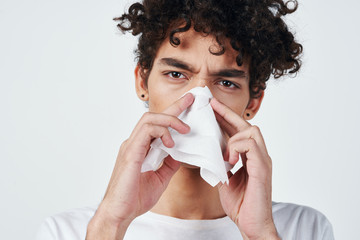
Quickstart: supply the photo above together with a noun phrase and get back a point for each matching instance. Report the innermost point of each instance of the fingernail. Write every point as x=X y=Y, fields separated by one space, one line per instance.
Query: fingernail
x=187 y=95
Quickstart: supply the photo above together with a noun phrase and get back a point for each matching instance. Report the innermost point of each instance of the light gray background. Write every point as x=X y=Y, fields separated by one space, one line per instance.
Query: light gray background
x=67 y=102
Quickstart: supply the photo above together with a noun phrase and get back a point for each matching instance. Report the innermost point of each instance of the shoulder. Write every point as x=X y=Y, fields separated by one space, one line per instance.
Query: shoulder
x=71 y=224
x=301 y=222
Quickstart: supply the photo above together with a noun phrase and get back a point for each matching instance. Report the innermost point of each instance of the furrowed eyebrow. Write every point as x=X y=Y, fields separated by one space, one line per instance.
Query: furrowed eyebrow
x=175 y=63
x=233 y=73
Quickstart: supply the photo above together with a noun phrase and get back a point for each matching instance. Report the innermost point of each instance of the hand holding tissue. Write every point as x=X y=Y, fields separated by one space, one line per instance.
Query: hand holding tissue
x=201 y=147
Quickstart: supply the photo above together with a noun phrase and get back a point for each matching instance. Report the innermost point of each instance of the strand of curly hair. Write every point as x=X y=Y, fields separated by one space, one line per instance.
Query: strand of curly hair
x=255 y=28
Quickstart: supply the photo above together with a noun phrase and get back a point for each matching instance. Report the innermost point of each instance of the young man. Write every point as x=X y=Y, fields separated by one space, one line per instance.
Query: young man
x=230 y=47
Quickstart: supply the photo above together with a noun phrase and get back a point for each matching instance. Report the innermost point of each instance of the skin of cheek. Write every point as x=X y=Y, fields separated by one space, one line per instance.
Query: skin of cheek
x=161 y=95
x=235 y=103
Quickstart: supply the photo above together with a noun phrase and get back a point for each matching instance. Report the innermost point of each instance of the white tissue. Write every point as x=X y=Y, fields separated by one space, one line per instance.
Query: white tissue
x=201 y=147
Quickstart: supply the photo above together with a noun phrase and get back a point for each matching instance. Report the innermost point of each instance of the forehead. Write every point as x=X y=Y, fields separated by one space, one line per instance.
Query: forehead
x=198 y=49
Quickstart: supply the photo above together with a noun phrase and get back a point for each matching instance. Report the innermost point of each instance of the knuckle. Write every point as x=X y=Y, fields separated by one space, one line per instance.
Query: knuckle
x=146 y=115
x=255 y=129
x=175 y=122
x=233 y=148
x=174 y=118
x=251 y=142
x=124 y=144
x=169 y=120
x=147 y=127
x=162 y=131
x=225 y=115
x=231 y=141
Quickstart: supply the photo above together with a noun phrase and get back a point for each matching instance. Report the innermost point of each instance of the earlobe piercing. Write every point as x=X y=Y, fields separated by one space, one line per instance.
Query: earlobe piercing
x=142 y=95
x=248 y=114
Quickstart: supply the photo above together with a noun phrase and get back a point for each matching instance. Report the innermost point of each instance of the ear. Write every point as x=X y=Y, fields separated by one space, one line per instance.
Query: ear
x=140 y=84
x=253 y=107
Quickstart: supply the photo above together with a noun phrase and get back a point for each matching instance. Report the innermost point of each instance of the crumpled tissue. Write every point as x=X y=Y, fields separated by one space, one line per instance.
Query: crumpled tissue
x=201 y=147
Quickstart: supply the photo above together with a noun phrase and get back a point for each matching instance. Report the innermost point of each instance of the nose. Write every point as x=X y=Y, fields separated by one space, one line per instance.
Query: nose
x=199 y=82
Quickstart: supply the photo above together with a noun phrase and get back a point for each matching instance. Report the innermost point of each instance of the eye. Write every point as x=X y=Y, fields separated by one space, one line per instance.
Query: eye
x=176 y=75
x=227 y=84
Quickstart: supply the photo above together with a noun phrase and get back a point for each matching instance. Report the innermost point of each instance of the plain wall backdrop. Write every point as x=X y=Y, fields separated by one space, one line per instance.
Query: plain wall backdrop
x=67 y=102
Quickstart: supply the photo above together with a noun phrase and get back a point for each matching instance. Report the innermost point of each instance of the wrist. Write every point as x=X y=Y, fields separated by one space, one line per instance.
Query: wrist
x=268 y=233
x=272 y=233
x=103 y=226
x=267 y=237
x=273 y=236
x=100 y=229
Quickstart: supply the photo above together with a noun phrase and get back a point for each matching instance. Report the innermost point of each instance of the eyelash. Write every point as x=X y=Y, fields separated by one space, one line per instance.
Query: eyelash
x=221 y=82
x=170 y=74
x=233 y=85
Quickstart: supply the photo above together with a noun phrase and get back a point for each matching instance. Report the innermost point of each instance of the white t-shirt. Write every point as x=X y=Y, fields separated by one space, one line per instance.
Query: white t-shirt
x=291 y=221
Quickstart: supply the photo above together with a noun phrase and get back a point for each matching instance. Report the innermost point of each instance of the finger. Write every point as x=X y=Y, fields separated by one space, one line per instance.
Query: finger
x=237 y=181
x=256 y=164
x=149 y=132
x=167 y=139
x=169 y=121
x=230 y=152
x=180 y=105
x=162 y=133
x=166 y=120
x=225 y=125
x=251 y=132
x=243 y=147
x=229 y=115
x=162 y=120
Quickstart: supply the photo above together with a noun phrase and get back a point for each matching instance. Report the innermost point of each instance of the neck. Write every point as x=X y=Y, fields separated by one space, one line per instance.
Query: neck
x=188 y=196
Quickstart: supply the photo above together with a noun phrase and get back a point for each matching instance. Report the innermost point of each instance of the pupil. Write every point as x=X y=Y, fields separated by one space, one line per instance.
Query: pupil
x=227 y=83
x=176 y=74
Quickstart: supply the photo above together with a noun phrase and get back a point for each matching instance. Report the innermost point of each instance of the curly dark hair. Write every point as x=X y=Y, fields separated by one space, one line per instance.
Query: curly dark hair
x=255 y=28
